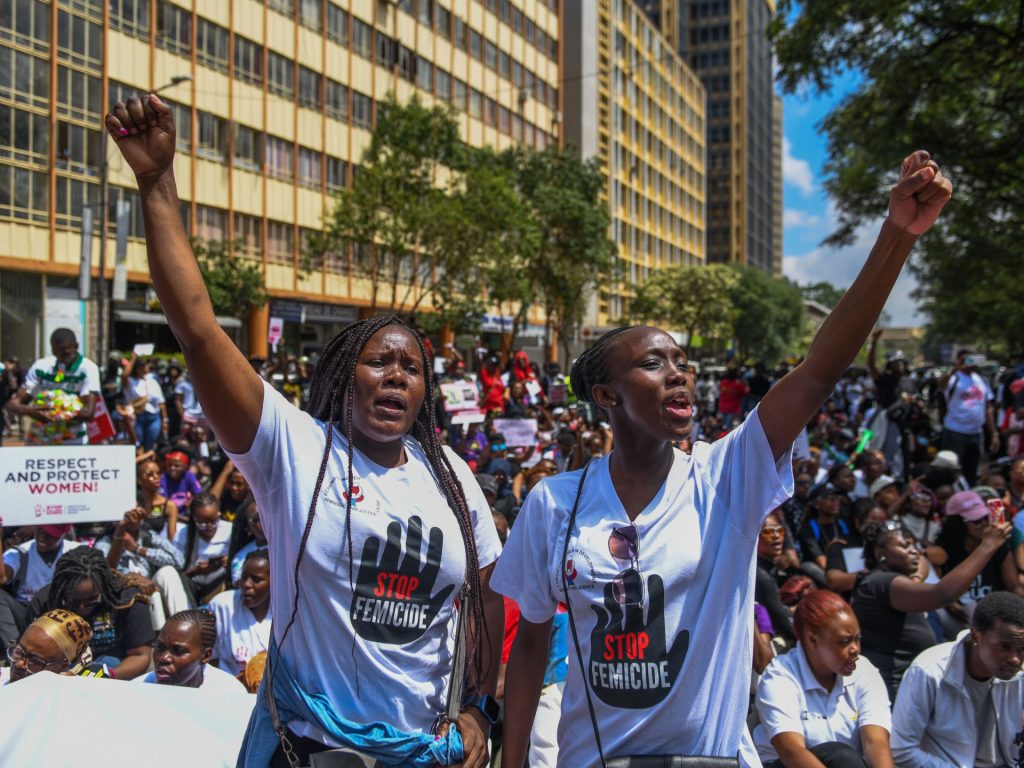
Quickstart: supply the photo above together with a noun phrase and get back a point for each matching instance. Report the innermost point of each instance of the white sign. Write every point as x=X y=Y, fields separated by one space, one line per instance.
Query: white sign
x=518 y=432
x=460 y=396
x=275 y=331
x=143 y=350
x=46 y=485
x=853 y=558
x=471 y=416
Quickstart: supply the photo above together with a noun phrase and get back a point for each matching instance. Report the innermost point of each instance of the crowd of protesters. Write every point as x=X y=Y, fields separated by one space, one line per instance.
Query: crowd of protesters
x=883 y=580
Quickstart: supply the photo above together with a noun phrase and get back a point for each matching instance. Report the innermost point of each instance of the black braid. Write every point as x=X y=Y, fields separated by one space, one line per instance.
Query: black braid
x=199 y=501
x=81 y=564
x=591 y=367
x=204 y=620
x=332 y=381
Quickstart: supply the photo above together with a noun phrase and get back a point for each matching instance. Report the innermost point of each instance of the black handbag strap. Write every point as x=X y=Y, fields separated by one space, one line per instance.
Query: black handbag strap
x=572 y=622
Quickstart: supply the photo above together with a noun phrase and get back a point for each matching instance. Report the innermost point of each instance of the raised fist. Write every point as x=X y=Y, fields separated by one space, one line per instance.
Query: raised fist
x=143 y=129
x=917 y=199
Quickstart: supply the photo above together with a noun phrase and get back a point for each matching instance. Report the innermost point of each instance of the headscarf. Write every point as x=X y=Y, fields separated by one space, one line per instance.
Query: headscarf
x=521 y=367
x=71 y=633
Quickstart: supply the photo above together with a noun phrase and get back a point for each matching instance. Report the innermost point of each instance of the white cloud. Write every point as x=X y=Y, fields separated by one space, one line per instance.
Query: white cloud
x=793 y=217
x=796 y=171
x=840 y=267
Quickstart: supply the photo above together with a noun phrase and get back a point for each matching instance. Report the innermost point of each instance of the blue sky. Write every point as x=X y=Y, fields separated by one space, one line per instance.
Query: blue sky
x=808 y=217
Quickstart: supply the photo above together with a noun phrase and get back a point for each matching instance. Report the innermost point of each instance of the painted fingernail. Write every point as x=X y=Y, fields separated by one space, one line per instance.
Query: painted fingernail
x=122 y=131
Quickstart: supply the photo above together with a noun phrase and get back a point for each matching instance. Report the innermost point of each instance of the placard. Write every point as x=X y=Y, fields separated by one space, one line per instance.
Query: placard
x=102 y=426
x=460 y=396
x=853 y=558
x=275 y=331
x=470 y=416
x=517 y=432
x=144 y=350
x=45 y=485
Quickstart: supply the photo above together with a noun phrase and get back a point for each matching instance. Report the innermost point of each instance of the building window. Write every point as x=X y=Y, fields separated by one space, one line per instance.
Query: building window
x=337 y=100
x=24 y=194
x=24 y=136
x=459 y=33
x=337 y=174
x=279 y=242
x=336 y=260
x=26 y=23
x=309 y=88
x=459 y=90
x=278 y=158
x=443 y=84
x=24 y=78
x=475 y=44
x=426 y=12
x=78 y=95
x=361 y=37
x=212 y=45
x=490 y=55
x=362 y=110
x=72 y=196
x=406 y=63
x=130 y=16
x=385 y=51
x=282 y=6
x=475 y=103
x=309 y=14
x=173 y=28
x=309 y=167
x=182 y=125
x=443 y=22
x=79 y=149
x=249 y=235
x=211 y=138
x=248 y=61
x=280 y=77
x=247 y=147
x=337 y=24
x=79 y=40
x=210 y=223
x=424 y=75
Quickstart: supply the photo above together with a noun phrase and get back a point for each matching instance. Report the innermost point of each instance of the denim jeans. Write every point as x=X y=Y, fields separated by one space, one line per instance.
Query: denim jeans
x=147 y=427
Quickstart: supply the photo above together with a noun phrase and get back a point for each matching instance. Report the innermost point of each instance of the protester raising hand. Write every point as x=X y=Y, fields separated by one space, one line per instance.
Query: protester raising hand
x=144 y=132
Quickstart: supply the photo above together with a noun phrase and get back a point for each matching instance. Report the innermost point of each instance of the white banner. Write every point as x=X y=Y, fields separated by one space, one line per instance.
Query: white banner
x=64 y=484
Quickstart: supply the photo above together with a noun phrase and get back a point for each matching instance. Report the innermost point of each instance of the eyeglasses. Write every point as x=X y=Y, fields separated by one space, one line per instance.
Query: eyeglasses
x=628 y=585
x=774 y=531
x=498 y=446
x=16 y=653
x=210 y=526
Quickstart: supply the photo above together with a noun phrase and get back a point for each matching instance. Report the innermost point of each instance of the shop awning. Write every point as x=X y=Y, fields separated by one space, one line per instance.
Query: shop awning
x=157 y=318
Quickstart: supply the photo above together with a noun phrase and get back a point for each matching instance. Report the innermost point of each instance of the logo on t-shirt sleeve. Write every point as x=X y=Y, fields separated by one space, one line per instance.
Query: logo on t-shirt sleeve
x=392 y=602
x=631 y=665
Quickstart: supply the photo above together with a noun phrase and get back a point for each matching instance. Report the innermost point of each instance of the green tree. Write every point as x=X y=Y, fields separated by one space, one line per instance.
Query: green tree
x=235 y=284
x=822 y=292
x=572 y=248
x=388 y=209
x=946 y=77
x=769 y=317
x=696 y=301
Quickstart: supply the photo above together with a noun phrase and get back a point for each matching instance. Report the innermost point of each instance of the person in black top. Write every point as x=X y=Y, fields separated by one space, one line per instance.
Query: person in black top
x=819 y=530
x=840 y=579
x=122 y=631
x=795 y=508
x=891 y=601
x=770 y=546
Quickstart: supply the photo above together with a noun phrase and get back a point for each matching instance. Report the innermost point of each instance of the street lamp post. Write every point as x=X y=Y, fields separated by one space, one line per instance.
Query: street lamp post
x=101 y=294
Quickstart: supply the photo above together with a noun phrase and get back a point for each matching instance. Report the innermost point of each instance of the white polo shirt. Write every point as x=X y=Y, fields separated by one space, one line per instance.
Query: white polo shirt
x=791 y=700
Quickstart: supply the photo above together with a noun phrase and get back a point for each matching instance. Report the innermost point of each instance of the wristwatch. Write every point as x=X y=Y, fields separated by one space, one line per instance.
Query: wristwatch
x=487 y=705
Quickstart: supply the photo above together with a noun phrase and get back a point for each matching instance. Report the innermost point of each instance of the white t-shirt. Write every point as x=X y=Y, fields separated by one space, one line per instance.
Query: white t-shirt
x=205 y=550
x=377 y=646
x=239 y=635
x=214 y=679
x=38 y=572
x=791 y=700
x=43 y=376
x=677 y=682
x=189 y=401
x=966 y=394
x=148 y=387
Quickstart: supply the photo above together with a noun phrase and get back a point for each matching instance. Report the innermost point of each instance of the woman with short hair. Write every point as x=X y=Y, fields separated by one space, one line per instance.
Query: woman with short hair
x=57 y=641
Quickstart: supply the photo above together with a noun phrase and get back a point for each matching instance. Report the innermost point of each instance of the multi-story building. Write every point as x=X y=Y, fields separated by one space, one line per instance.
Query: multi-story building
x=777 y=203
x=632 y=101
x=273 y=103
x=726 y=43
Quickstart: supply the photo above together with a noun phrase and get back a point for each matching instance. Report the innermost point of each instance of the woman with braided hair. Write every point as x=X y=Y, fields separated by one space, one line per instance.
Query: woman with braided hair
x=182 y=653
x=653 y=551
x=122 y=631
x=375 y=531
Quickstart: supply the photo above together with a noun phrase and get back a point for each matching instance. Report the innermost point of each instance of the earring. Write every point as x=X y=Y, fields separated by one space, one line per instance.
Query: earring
x=881 y=559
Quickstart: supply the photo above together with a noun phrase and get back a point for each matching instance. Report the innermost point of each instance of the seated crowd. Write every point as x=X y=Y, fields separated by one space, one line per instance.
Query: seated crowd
x=889 y=618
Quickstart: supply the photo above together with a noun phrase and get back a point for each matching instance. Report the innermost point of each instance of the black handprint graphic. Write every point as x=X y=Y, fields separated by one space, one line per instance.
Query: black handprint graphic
x=631 y=666
x=392 y=603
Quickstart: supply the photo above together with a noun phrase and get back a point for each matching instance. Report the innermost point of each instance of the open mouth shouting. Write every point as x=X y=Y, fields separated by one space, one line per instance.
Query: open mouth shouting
x=679 y=406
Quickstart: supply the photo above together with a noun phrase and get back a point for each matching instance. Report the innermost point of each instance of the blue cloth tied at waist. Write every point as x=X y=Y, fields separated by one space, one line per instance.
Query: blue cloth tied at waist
x=383 y=742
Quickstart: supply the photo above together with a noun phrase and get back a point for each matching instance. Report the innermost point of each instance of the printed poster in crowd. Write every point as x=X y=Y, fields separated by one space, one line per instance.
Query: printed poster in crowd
x=101 y=428
x=462 y=400
x=519 y=433
x=46 y=485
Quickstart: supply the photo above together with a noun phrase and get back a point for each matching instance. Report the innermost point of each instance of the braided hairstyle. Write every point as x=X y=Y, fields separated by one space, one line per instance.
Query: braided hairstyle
x=85 y=564
x=204 y=620
x=330 y=391
x=591 y=367
x=876 y=535
x=199 y=501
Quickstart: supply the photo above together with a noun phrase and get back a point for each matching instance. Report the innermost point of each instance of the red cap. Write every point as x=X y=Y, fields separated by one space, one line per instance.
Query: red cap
x=57 y=531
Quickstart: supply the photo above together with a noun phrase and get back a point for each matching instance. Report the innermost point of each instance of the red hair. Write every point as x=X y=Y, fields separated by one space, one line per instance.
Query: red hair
x=794 y=588
x=816 y=610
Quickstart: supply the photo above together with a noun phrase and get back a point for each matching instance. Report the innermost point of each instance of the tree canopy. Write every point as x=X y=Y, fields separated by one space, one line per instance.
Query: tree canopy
x=946 y=77
x=235 y=284
x=769 y=319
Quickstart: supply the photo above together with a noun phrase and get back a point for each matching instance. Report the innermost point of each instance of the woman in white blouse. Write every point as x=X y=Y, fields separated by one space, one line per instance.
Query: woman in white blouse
x=821 y=704
x=143 y=392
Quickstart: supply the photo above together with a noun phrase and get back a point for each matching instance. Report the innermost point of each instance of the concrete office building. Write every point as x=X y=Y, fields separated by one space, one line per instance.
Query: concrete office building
x=632 y=101
x=273 y=102
x=726 y=43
